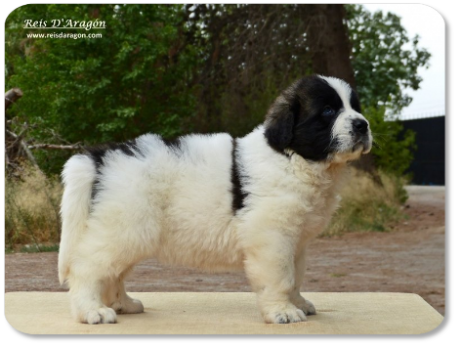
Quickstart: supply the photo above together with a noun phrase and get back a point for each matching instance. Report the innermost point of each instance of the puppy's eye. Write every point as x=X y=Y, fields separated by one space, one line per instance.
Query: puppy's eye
x=328 y=112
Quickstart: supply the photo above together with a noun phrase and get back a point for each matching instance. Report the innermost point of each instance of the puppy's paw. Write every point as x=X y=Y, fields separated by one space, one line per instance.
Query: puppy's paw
x=128 y=306
x=101 y=315
x=133 y=306
x=285 y=314
x=306 y=306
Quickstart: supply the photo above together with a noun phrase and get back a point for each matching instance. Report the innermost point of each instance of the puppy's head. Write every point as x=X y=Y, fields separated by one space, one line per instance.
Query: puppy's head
x=319 y=118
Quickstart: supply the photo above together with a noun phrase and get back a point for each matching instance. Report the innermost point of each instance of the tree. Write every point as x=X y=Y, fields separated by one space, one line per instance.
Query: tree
x=327 y=39
x=134 y=79
x=249 y=54
x=174 y=69
x=385 y=60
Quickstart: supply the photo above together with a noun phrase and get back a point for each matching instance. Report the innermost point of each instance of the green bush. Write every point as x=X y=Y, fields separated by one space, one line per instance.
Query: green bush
x=159 y=69
x=394 y=148
x=133 y=80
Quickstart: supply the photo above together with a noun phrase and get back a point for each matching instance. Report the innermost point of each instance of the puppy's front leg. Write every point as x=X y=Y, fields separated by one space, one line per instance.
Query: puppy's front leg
x=297 y=299
x=270 y=268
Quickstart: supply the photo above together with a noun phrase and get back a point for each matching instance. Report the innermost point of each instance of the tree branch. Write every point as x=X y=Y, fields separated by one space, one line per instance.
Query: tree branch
x=25 y=147
x=56 y=147
x=11 y=96
x=17 y=137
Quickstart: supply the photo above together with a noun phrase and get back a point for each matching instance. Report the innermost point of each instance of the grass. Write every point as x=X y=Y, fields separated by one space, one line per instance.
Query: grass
x=367 y=205
x=32 y=210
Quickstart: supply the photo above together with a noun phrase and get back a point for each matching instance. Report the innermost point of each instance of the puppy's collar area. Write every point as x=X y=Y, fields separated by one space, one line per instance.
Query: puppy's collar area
x=288 y=153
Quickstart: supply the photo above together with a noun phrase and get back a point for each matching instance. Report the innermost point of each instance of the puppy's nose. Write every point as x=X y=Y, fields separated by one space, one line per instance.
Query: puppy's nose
x=360 y=126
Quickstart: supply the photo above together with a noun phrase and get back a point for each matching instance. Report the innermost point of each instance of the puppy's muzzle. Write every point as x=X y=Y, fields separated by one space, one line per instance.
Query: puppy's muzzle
x=360 y=126
x=362 y=136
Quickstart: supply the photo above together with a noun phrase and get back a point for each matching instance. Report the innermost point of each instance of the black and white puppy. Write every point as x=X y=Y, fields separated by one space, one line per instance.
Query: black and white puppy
x=212 y=202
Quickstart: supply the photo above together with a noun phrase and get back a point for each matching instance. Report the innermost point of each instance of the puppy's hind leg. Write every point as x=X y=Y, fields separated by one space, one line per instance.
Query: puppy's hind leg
x=119 y=299
x=86 y=295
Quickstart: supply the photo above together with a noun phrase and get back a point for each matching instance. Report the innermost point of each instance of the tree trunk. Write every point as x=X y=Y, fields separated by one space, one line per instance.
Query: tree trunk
x=327 y=36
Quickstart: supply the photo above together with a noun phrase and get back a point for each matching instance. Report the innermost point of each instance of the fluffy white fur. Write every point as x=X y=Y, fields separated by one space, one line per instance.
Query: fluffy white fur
x=176 y=206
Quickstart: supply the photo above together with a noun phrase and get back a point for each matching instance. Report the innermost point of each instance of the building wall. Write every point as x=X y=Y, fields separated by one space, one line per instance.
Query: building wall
x=428 y=166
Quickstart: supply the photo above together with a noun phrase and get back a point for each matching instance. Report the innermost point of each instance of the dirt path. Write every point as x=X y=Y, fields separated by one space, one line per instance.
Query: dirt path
x=410 y=258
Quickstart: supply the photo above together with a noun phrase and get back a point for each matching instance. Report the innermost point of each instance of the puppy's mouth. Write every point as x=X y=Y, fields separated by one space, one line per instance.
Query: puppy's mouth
x=363 y=145
x=359 y=146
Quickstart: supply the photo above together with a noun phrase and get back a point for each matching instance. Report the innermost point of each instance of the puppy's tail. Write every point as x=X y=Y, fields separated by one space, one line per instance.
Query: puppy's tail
x=78 y=177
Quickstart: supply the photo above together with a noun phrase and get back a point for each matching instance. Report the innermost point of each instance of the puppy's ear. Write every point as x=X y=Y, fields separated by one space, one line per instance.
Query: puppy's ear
x=354 y=101
x=280 y=121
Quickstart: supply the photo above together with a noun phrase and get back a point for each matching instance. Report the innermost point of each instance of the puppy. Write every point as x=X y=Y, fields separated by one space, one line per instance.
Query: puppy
x=213 y=202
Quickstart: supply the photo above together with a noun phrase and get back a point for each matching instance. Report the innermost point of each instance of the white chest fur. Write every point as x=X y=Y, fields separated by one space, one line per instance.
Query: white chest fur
x=287 y=192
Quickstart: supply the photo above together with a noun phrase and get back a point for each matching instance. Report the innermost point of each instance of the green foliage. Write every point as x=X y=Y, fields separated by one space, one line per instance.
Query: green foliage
x=175 y=69
x=394 y=147
x=385 y=61
x=384 y=58
x=133 y=80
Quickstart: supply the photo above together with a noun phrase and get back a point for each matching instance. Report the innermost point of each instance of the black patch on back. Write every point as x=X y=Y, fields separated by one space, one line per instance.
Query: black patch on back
x=236 y=176
x=173 y=144
x=98 y=153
